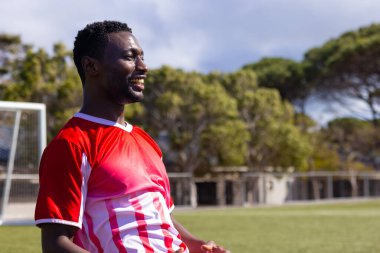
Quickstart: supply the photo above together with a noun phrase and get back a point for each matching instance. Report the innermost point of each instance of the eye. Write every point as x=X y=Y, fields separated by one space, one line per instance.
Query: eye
x=129 y=57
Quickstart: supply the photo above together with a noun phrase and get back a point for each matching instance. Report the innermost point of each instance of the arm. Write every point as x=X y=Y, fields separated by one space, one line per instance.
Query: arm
x=58 y=238
x=190 y=240
x=196 y=245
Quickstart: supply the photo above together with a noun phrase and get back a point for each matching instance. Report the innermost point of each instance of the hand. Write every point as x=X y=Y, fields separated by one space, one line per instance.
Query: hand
x=211 y=246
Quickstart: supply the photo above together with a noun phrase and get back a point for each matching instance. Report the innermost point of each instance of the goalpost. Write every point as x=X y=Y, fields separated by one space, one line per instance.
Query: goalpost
x=22 y=140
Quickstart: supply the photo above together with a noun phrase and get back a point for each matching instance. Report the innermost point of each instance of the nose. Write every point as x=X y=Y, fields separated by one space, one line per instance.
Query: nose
x=140 y=65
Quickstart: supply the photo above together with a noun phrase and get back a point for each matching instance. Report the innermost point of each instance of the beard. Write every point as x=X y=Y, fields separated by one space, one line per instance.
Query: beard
x=131 y=94
x=122 y=91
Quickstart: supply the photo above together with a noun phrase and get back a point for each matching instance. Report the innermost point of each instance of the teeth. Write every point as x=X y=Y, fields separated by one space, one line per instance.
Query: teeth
x=137 y=81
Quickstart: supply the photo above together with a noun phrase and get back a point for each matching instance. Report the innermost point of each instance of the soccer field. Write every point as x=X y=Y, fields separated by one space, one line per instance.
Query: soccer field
x=317 y=228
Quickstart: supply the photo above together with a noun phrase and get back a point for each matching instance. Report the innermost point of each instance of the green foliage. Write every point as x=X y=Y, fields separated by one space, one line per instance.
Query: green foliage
x=285 y=75
x=305 y=123
x=133 y=111
x=10 y=49
x=201 y=118
x=356 y=142
x=35 y=76
x=287 y=148
x=348 y=66
x=325 y=156
x=274 y=139
x=226 y=119
x=230 y=138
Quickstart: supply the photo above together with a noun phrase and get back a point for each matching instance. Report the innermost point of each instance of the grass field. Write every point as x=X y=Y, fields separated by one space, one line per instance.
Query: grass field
x=317 y=228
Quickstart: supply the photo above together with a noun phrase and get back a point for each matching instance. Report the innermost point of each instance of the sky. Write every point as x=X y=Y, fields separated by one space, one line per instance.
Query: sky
x=196 y=35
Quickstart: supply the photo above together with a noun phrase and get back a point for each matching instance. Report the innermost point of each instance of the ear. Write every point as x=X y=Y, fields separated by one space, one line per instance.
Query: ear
x=91 y=66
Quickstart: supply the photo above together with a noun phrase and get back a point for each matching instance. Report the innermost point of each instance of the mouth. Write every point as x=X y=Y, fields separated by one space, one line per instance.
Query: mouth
x=137 y=83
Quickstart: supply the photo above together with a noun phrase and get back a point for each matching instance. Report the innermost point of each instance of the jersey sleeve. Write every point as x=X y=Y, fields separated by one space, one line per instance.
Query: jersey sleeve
x=61 y=194
x=171 y=205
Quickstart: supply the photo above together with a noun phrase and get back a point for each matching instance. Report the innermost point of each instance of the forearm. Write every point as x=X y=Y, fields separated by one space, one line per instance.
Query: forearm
x=56 y=238
x=61 y=244
x=193 y=243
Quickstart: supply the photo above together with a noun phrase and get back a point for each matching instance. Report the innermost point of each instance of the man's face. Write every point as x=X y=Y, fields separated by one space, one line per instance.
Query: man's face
x=124 y=68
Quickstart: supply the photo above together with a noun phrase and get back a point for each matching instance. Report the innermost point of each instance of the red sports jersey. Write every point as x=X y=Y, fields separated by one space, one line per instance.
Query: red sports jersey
x=109 y=181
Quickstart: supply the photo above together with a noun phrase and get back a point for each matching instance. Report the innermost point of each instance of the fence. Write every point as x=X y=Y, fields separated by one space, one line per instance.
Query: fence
x=243 y=189
x=276 y=188
x=247 y=188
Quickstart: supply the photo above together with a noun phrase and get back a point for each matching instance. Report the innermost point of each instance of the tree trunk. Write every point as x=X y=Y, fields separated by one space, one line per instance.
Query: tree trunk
x=354 y=185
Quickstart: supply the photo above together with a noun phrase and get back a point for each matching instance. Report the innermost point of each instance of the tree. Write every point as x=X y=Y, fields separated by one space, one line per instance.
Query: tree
x=199 y=118
x=286 y=76
x=274 y=139
x=324 y=154
x=349 y=67
x=35 y=76
x=357 y=142
x=10 y=50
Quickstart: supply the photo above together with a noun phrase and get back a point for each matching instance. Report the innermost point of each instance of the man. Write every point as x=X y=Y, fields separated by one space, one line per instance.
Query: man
x=103 y=186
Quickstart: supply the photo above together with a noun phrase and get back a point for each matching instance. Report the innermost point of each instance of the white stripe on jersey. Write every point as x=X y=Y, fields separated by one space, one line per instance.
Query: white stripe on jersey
x=166 y=218
x=118 y=222
x=101 y=229
x=53 y=220
x=89 y=238
x=86 y=171
x=153 y=220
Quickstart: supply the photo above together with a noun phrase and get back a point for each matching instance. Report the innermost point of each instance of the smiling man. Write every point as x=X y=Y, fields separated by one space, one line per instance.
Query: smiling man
x=103 y=186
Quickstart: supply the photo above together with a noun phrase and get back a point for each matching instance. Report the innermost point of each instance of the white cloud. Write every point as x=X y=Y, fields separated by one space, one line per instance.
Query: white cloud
x=178 y=51
x=197 y=34
x=201 y=35
x=324 y=111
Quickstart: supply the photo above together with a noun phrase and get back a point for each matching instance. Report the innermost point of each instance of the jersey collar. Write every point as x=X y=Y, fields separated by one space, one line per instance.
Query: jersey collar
x=127 y=127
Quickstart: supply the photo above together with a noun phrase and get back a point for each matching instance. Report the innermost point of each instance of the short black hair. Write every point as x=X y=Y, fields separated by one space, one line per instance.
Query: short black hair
x=93 y=39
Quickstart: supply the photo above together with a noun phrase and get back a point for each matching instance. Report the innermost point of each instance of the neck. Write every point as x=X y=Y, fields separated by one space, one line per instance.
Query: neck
x=110 y=112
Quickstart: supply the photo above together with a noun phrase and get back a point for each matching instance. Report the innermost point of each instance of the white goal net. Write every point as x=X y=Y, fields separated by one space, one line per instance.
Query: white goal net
x=22 y=140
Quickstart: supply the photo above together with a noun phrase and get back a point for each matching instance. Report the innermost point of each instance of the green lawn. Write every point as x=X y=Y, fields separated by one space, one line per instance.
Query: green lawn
x=327 y=228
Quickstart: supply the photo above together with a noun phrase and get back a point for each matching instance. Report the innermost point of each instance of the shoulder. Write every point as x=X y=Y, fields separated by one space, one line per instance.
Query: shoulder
x=72 y=136
x=140 y=133
x=73 y=129
x=78 y=132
